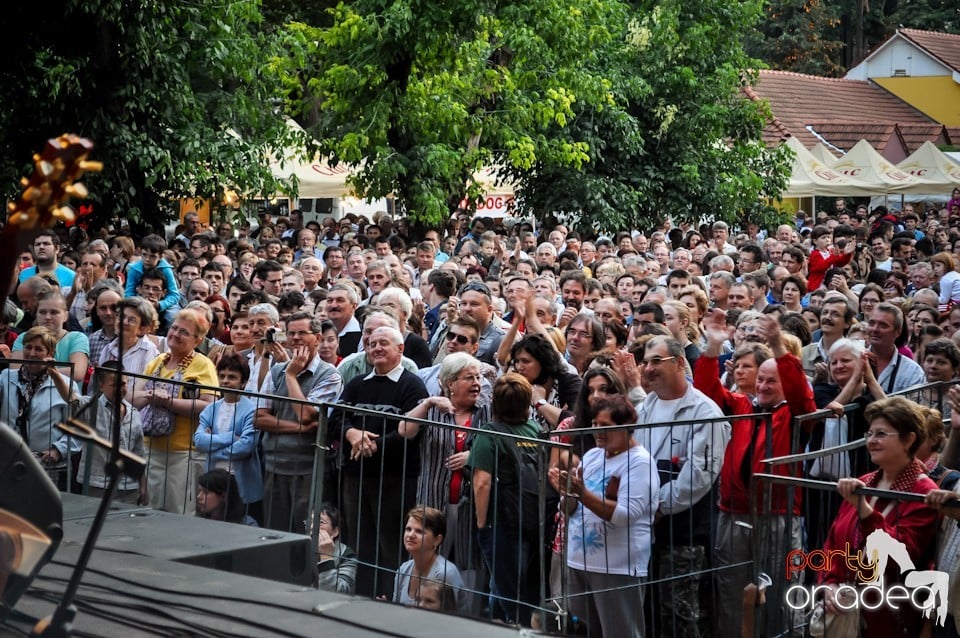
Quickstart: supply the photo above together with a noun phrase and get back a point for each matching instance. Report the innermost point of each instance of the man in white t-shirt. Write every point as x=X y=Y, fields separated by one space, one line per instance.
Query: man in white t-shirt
x=688 y=458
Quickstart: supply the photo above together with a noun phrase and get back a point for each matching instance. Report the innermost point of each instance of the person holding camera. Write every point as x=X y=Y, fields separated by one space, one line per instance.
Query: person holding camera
x=290 y=426
x=267 y=348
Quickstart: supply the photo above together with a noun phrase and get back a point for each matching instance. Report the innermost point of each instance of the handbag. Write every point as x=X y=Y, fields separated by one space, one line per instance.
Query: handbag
x=845 y=625
x=833 y=466
x=158 y=421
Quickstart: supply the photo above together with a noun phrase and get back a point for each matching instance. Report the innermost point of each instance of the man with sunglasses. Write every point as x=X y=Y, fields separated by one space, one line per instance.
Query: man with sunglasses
x=462 y=335
x=689 y=457
x=476 y=303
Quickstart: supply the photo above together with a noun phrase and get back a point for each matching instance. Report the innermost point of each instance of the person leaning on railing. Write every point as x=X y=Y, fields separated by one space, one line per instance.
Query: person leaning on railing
x=33 y=399
x=783 y=390
x=895 y=434
x=173 y=467
x=503 y=545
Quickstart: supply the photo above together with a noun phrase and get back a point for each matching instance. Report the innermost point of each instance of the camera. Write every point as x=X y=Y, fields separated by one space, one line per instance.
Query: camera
x=275 y=335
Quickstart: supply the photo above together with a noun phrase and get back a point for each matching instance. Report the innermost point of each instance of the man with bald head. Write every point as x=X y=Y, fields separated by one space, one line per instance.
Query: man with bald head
x=312 y=270
x=379 y=467
x=783 y=390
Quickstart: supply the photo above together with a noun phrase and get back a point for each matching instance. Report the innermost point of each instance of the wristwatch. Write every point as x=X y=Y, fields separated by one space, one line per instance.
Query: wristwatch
x=539 y=403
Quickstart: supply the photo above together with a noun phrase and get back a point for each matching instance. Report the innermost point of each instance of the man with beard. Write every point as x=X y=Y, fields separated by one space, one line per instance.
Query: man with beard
x=45 y=248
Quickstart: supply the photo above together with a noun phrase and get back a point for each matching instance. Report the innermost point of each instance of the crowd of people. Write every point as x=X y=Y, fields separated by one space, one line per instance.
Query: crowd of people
x=456 y=359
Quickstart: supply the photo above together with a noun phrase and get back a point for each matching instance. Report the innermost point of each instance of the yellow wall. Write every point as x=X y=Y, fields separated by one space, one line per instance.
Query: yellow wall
x=937 y=97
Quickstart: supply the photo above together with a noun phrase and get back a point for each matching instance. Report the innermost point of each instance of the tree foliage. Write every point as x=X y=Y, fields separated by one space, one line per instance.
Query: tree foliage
x=686 y=144
x=799 y=36
x=172 y=93
x=827 y=37
x=613 y=110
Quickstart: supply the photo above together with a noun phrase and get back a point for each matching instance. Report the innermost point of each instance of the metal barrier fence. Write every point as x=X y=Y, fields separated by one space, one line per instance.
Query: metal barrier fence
x=290 y=457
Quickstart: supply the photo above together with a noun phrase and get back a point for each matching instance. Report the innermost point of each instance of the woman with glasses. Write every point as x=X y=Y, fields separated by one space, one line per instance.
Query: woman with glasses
x=443 y=482
x=170 y=410
x=611 y=500
x=896 y=431
x=870 y=296
x=135 y=319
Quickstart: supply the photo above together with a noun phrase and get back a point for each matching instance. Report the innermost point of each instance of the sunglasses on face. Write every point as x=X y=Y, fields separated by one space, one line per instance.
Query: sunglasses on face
x=461 y=339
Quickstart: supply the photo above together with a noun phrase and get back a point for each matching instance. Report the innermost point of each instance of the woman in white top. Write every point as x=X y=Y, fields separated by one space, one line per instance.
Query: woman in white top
x=611 y=500
x=945 y=269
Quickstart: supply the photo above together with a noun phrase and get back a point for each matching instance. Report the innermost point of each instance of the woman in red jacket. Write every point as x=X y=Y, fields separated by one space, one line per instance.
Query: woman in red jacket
x=895 y=434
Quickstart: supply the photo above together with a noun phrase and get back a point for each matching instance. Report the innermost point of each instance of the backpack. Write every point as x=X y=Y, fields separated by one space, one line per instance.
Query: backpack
x=518 y=492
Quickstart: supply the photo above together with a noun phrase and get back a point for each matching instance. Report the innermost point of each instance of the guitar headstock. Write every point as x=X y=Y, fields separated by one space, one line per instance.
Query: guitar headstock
x=56 y=171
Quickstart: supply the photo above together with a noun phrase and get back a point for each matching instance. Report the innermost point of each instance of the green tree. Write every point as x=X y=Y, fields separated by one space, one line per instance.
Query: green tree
x=686 y=145
x=610 y=110
x=799 y=36
x=172 y=93
x=418 y=96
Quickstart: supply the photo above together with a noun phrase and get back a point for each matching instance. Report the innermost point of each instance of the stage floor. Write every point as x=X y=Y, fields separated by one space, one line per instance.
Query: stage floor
x=124 y=593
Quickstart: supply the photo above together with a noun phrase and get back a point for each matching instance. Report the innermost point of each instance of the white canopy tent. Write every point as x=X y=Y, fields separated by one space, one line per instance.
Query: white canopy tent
x=824 y=154
x=813 y=178
x=865 y=164
x=316 y=179
x=932 y=167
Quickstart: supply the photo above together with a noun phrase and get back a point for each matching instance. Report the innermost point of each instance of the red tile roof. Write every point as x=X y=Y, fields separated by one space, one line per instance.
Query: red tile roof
x=836 y=111
x=912 y=136
x=945 y=47
x=953 y=135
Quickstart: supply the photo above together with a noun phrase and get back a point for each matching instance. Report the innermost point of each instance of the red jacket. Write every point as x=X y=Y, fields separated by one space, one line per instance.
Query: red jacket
x=913 y=524
x=818 y=265
x=749 y=436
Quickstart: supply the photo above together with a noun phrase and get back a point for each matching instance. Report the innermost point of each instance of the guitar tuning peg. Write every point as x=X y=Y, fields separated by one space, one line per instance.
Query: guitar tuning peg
x=65 y=213
x=90 y=166
x=77 y=190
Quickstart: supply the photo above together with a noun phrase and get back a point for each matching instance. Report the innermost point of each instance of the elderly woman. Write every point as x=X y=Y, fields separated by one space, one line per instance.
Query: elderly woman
x=170 y=410
x=71 y=346
x=443 y=481
x=135 y=318
x=745 y=364
x=611 y=500
x=33 y=399
x=422 y=537
x=554 y=387
x=896 y=431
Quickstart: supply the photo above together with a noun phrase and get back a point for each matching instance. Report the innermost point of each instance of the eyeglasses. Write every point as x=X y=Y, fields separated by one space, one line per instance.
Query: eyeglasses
x=299 y=333
x=655 y=361
x=579 y=333
x=879 y=435
x=183 y=332
x=461 y=339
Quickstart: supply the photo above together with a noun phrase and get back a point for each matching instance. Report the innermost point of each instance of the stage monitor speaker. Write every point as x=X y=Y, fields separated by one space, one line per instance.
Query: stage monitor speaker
x=229 y=547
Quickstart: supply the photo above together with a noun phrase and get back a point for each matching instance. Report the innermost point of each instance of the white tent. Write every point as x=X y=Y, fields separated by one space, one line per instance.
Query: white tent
x=865 y=164
x=316 y=179
x=812 y=178
x=932 y=167
x=824 y=154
